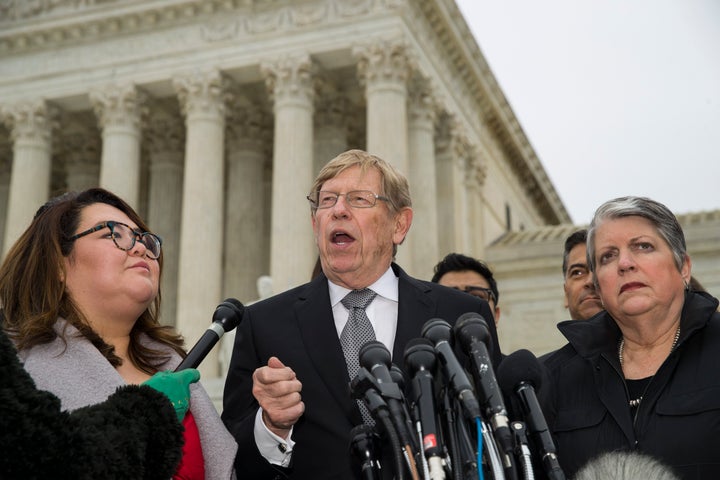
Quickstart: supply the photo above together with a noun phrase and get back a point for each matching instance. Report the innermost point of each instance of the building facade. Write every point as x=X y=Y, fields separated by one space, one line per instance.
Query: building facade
x=212 y=117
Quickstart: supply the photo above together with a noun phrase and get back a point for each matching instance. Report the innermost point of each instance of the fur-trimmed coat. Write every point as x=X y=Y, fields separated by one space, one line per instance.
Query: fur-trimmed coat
x=79 y=375
x=134 y=434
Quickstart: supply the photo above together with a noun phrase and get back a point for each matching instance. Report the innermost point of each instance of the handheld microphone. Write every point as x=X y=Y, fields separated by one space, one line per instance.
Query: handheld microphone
x=520 y=373
x=363 y=447
x=420 y=362
x=226 y=317
x=438 y=331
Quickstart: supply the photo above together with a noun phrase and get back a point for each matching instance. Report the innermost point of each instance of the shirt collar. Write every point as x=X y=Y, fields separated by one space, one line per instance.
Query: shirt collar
x=386 y=286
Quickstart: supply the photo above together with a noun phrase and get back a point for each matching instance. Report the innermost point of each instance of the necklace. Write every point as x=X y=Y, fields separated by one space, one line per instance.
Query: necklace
x=635 y=402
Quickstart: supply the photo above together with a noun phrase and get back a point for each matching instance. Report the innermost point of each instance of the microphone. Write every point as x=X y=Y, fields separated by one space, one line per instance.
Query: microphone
x=363 y=448
x=375 y=357
x=438 y=332
x=226 y=317
x=472 y=332
x=521 y=373
x=420 y=362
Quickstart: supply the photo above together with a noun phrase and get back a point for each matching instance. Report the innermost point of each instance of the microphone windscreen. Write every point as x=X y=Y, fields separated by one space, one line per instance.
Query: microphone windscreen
x=520 y=366
x=229 y=313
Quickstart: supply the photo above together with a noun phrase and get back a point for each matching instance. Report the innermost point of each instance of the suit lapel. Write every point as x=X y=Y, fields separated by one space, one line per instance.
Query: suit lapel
x=317 y=329
x=415 y=307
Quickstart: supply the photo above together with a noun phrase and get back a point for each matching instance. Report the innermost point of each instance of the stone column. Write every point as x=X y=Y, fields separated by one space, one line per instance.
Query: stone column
x=290 y=82
x=422 y=177
x=383 y=69
x=202 y=100
x=475 y=180
x=119 y=109
x=31 y=125
x=165 y=141
x=80 y=145
x=245 y=243
x=452 y=193
x=331 y=128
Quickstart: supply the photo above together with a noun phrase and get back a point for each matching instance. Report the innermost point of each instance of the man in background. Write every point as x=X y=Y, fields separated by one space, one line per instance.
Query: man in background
x=581 y=299
x=471 y=276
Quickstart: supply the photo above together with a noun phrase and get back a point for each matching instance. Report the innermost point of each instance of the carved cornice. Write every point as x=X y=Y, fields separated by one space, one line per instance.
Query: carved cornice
x=469 y=75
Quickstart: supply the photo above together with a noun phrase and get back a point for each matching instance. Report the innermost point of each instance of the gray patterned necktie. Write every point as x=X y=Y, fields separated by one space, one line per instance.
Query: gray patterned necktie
x=357 y=332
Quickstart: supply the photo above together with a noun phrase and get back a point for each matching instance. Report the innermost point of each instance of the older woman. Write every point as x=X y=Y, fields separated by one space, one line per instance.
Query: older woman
x=80 y=294
x=643 y=374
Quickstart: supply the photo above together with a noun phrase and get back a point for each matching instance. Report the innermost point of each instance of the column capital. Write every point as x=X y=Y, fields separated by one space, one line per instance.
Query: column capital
x=119 y=105
x=387 y=60
x=248 y=123
x=31 y=120
x=164 y=131
x=291 y=79
x=203 y=92
x=423 y=105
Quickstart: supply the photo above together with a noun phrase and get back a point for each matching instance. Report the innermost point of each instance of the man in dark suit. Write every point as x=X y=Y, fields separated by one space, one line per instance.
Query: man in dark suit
x=287 y=399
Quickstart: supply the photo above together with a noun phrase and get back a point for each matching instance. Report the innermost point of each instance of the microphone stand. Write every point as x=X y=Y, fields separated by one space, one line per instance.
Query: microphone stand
x=522 y=450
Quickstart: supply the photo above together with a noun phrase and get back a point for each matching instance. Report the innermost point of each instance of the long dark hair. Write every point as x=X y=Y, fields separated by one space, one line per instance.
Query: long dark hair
x=32 y=289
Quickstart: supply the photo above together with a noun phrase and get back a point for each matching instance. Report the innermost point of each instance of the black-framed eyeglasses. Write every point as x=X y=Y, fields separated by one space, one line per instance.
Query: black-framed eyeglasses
x=482 y=292
x=356 y=198
x=124 y=237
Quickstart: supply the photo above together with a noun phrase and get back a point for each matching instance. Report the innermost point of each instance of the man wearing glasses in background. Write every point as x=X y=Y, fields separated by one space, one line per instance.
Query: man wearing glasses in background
x=286 y=399
x=471 y=276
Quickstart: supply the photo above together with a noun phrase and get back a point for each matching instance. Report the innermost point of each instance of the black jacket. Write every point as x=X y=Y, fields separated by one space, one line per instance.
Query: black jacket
x=678 y=421
x=134 y=434
x=298 y=327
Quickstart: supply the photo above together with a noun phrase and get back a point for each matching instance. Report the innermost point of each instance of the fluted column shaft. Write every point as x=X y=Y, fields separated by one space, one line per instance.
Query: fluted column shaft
x=166 y=142
x=421 y=132
x=119 y=110
x=245 y=244
x=201 y=238
x=30 y=126
x=384 y=68
x=292 y=249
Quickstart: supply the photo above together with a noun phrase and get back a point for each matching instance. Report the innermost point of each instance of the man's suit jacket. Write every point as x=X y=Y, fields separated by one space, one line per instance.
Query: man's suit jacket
x=297 y=326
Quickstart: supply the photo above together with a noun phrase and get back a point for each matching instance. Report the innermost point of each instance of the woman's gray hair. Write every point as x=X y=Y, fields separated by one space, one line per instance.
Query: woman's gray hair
x=658 y=214
x=625 y=466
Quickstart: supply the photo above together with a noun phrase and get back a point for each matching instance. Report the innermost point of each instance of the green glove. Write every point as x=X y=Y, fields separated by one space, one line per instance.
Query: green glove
x=176 y=386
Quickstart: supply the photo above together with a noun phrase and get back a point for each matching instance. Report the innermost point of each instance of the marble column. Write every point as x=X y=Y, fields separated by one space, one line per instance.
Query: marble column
x=119 y=109
x=202 y=100
x=165 y=143
x=451 y=188
x=331 y=129
x=80 y=148
x=422 y=177
x=384 y=69
x=290 y=82
x=476 y=174
x=248 y=145
x=31 y=124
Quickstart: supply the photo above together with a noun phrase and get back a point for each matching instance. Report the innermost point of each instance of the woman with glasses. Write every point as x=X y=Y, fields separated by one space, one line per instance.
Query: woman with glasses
x=80 y=295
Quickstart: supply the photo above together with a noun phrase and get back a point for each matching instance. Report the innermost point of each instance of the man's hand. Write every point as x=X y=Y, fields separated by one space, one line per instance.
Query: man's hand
x=277 y=390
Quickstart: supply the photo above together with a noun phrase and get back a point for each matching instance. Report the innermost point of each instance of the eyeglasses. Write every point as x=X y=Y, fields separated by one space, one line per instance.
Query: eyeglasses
x=124 y=237
x=482 y=292
x=356 y=198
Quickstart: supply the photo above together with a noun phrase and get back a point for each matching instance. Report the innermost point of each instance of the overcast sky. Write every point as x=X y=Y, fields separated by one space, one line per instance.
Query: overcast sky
x=617 y=97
